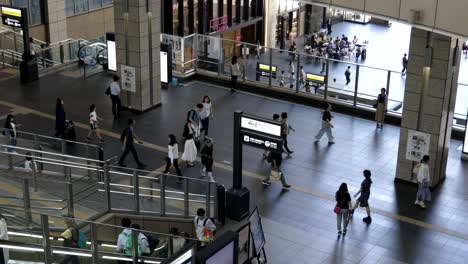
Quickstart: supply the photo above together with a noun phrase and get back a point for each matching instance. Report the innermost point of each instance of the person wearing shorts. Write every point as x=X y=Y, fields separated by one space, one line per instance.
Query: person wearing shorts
x=93 y=124
x=363 y=200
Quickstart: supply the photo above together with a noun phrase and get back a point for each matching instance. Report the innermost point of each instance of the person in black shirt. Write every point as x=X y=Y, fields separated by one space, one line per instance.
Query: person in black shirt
x=381 y=108
x=343 y=201
x=348 y=75
x=326 y=126
x=128 y=137
x=60 y=119
x=276 y=160
x=363 y=200
x=207 y=159
x=404 y=61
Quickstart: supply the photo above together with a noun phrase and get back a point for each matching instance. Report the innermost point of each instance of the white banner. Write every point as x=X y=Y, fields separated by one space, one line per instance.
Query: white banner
x=128 y=78
x=417 y=145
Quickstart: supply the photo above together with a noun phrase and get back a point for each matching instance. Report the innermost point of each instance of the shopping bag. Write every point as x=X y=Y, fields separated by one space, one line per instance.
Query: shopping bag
x=275 y=175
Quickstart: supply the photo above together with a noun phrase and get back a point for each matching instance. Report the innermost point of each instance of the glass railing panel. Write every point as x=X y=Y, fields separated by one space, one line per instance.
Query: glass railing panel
x=461 y=103
x=121 y=188
x=370 y=82
x=312 y=75
x=396 y=92
x=341 y=88
x=209 y=53
x=286 y=72
x=189 y=57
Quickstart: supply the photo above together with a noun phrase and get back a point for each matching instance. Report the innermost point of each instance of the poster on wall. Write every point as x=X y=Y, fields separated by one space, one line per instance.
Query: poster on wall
x=128 y=78
x=417 y=145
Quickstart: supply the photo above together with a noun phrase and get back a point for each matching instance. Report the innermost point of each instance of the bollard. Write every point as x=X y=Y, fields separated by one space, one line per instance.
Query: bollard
x=221 y=204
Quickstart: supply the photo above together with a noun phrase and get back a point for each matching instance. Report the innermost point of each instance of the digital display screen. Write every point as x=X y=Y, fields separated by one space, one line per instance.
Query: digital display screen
x=265 y=67
x=10 y=11
x=164 y=70
x=111 y=55
x=223 y=256
x=260 y=126
x=315 y=78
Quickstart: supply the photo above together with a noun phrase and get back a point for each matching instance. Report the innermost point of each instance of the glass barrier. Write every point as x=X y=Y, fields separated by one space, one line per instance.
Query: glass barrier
x=209 y=53
x=370 y=81
x=396 y=92
x=177 y=51
x=189 y=56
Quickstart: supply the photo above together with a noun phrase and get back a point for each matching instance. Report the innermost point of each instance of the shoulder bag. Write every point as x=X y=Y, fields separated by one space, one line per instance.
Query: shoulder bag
x=337 y=209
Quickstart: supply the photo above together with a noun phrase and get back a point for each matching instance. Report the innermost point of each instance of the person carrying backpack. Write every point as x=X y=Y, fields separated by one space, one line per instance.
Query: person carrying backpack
x=122 y=238
x=204 y=227
x=72 y=238
x=143 y=244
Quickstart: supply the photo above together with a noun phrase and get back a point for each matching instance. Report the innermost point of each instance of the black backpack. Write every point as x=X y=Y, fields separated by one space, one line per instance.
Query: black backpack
x=108 y=91
x=152 y=243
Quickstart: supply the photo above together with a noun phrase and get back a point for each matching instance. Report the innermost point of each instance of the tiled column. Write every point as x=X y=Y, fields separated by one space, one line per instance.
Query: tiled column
x=137 y=33
x=56 y=20
x=430 y=91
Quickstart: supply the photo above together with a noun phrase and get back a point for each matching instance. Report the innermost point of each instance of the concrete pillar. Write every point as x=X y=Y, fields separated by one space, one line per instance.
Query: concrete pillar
x=137 y=35
x=430 y=91
x=56 y=20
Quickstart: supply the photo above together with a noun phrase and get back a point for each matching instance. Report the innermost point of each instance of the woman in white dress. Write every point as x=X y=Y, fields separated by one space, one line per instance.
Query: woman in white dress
x=190 y=149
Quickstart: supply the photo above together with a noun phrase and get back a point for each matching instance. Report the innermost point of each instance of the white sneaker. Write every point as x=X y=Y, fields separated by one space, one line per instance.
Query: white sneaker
x=203 y=172
x=422 y=204
x=416 y=202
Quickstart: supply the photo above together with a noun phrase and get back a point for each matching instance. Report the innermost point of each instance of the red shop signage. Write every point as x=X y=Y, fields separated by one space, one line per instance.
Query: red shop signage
x=219 y=24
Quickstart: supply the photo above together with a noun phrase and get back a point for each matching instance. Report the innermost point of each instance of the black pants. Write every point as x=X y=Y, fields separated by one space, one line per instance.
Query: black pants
x=115 y=105
x=233 y=82
x=348 y=80
x=404 y=68
x=130 y=148
x=205 y=124
x=176 y=166
x=60 y=132
x=323 y=66
x=208 y=163
x=285 y=143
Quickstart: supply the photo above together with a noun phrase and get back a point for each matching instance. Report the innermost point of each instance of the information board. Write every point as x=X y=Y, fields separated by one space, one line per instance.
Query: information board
x=256 y=231
x=128 y=78
x=417 y=145
x=314 y=79
x=111 y=52
x=11 y=16
x=257 y=125
x=265 y=70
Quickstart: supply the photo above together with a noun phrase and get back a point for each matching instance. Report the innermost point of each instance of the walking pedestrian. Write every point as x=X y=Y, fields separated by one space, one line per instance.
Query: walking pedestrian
x=363 y=200
x=115 y=96
x=276 y=160
x=381 y=108
x=11 y=132
x=404 y=61
x=93 y=124
x=329 y=26
x=207 y=159
x=343 y=203
x=60 y=119
x=235 y=73
x=323 y=59
x=348 y=75
x=291 y=74
x=206 y=114
x=285 y=128
x=71 y=237
x=424 y=179
x=143 y=242
x=204 y=227
x=173 y=156
x=190 y=149
x=194 y=117
x=128 y=137
x=302 y=77
x=266 y=153
x=259 y=49
x=326 y=125
x=281 y=79
x=4 y=252
x=123 y=237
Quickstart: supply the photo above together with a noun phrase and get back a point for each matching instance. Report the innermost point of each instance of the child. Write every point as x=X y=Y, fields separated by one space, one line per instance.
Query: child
x=281 y=79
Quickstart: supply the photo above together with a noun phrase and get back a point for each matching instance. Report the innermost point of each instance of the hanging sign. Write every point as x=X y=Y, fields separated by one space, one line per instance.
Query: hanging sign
x=128 y=78
x=11 y=16
x=219 y=24
x=417 y=145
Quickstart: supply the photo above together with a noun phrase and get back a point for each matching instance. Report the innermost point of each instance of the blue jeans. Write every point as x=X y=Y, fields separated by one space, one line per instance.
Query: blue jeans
x=13 y=143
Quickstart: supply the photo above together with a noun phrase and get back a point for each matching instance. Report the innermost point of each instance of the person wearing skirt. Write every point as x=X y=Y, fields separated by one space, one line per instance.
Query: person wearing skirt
x=190 y=149
x=381 y=108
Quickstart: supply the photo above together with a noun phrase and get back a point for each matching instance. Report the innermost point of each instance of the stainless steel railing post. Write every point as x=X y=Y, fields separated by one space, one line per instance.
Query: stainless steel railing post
x=27 y=203
x=136 y=193
x=107 y=186
x=94 y=244
x=162 y=195
x=135 y=246
x=70 y=205
x=63 y=146
x=208 y=198
x=34 y=173
x=186 y=197
x=327 y=78
x=88 y=171
x=356 y=86
x=45 y=239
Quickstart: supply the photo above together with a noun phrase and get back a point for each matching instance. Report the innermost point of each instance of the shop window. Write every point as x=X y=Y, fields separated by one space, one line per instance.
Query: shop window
x=69 y=7
x=34 y=8
x=106 y=2
x=95 y=4
x=81 y=6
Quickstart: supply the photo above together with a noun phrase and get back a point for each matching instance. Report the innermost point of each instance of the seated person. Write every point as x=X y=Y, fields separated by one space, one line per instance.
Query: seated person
x=358 y=52
x=308 y=48
x=355 y=40
x=344 y=38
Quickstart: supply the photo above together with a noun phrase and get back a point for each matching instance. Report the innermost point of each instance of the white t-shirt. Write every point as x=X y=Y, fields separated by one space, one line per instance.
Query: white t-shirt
x=235 y=69
x=115 y=88
x=199 y=226
x=13 y=128
x=144 y=243
x=4 y=236
x=206 y=111
x=122 y=239
x=173 y=152
x=93 y=117
x=423 y=173
x=29 y=165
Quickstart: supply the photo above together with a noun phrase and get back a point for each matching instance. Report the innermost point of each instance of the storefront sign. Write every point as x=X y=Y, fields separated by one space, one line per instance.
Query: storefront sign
x=417 y=145
x=219 y=24
x=261 y=126
x=314 y=79
x=128 y=78
x=264 y=70
x=11 y=16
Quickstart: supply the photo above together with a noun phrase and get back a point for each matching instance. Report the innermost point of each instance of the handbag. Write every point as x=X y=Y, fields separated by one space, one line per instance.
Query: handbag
x=375 y=105
x=275 y=175
x=337 y=208
x=416 y=168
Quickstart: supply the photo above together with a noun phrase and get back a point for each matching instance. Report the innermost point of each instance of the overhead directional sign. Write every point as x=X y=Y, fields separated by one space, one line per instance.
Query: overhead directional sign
x=12 y=16
x=261 y=126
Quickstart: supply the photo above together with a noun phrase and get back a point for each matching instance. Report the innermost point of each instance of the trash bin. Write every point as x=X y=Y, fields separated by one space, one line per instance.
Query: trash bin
x=174 y=82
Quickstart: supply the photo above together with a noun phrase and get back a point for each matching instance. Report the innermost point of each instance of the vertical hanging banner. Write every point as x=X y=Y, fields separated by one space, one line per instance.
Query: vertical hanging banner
x=417 y=145
x=128 y=78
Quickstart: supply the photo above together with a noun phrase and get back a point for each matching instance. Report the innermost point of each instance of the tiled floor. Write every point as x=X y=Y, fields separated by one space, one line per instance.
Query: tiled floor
x=299 y=224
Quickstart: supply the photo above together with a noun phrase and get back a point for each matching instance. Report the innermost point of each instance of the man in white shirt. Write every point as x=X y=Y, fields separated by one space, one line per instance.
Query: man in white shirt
x=115 y=96
x=122 y=238
x=143 y=241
